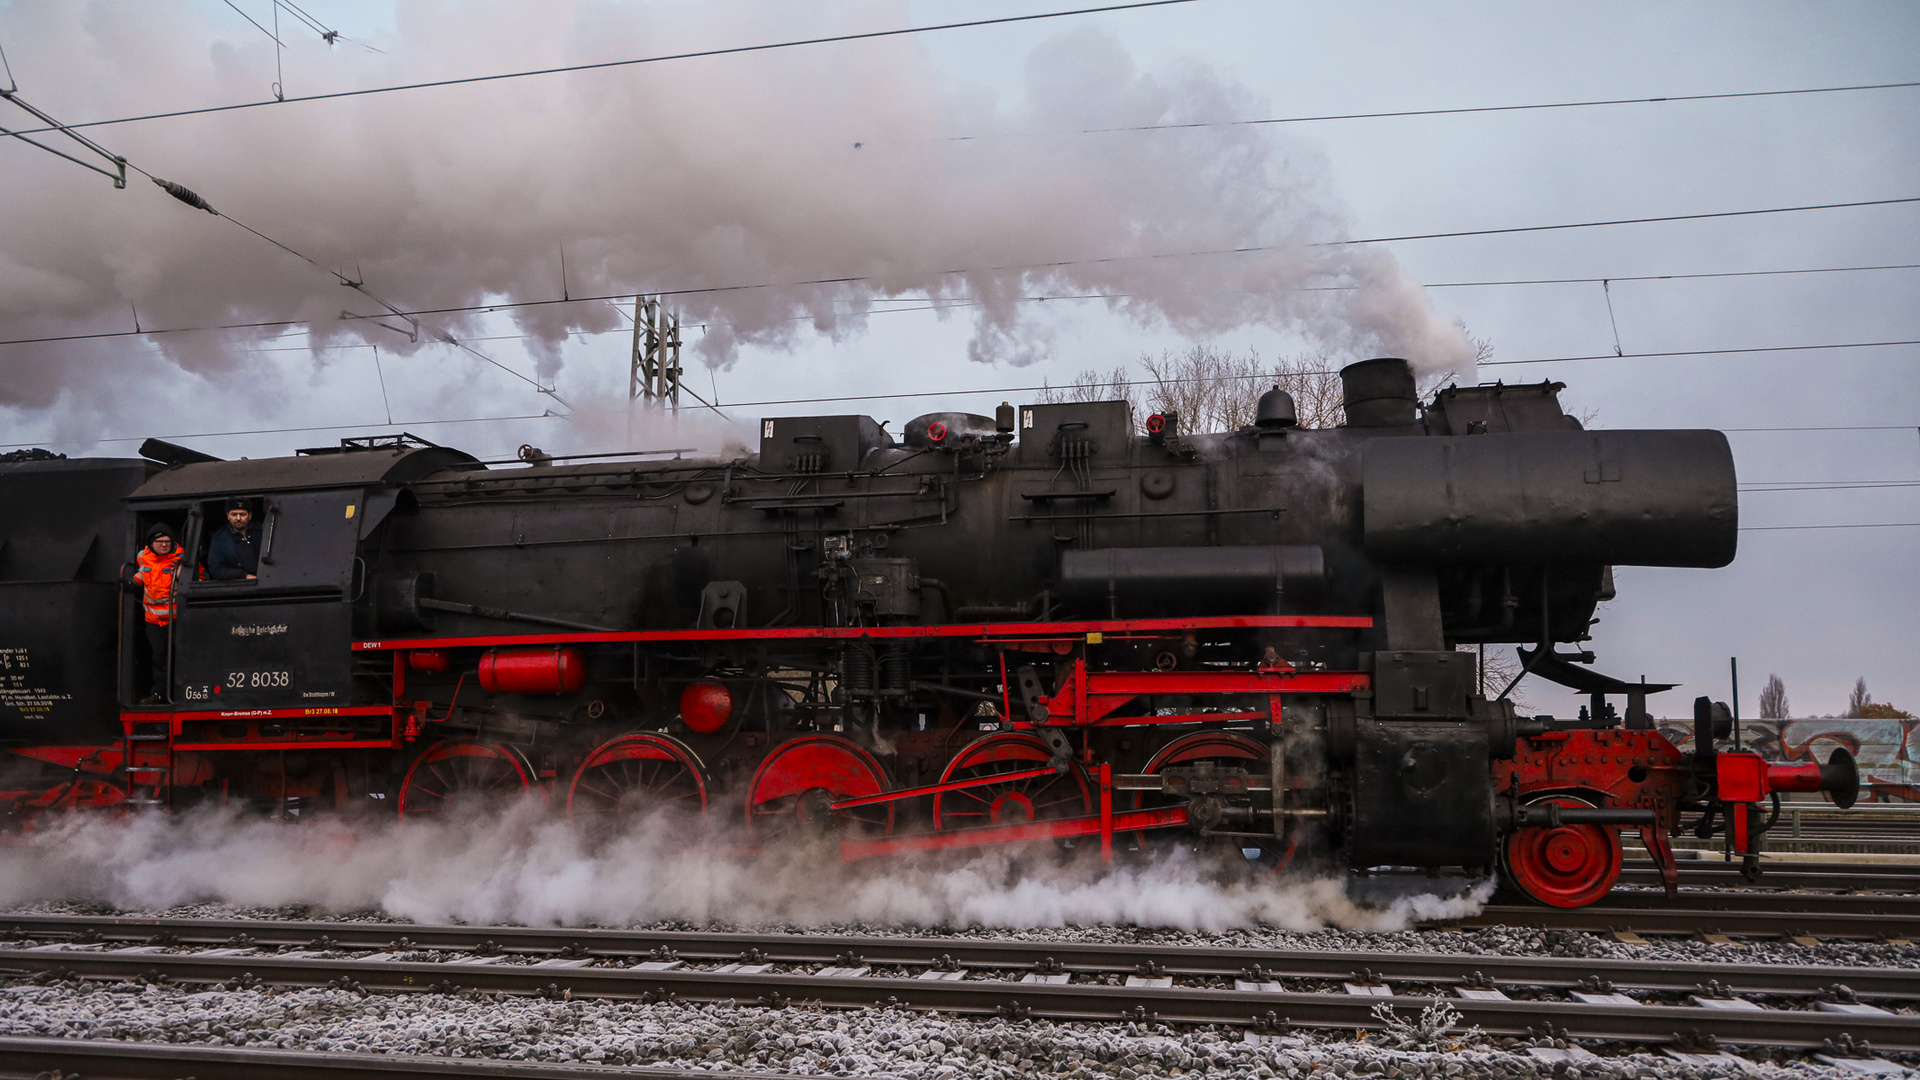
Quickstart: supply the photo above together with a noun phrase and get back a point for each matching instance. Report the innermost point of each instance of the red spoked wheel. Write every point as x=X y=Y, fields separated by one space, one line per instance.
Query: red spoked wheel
x=1224 y=749
x=1015 y=802
x=794 y=787
x=1568 y=867
x=632 y=776
x=462 y=772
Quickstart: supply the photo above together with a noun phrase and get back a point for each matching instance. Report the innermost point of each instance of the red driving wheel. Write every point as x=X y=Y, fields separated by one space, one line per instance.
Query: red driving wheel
x=1571 y=866
x=461 y=771
x=795 y=784
x=1015 y=802
x=631 y=776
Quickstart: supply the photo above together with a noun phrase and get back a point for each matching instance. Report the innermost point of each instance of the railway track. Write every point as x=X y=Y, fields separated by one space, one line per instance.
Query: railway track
x=1889 y=877
x=1774 y=916
x=1721 y=911
x=1764 y=1005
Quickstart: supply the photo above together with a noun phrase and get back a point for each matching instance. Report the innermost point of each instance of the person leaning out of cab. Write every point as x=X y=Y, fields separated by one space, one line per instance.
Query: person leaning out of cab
x=234 y=552
x=154 y=580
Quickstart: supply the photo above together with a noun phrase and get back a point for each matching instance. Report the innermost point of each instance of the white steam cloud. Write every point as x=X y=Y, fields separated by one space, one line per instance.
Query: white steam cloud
x=525 y=867
x=770 y=169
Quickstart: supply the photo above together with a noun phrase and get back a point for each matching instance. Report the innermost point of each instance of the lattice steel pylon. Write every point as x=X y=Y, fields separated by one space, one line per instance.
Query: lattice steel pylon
x=654 y=379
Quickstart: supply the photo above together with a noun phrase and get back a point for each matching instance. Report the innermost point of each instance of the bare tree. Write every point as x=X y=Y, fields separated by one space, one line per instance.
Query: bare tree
x=1314 y=382
x=1214 y=390
x=1773 y=700
x=1217 y=391
x=1858 y=701
x=1091 y=385
x=1210 y=389
x=1499 y=668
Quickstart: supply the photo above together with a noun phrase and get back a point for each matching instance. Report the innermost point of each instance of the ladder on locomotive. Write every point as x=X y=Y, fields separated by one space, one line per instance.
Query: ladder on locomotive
x=147 y=761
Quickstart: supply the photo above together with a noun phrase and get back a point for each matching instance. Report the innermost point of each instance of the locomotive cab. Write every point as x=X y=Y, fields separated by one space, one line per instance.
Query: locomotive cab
x=278 y=640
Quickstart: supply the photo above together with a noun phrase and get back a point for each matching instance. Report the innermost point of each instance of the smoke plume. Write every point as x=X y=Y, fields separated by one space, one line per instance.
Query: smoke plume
x=523 y=866
x=753 y=174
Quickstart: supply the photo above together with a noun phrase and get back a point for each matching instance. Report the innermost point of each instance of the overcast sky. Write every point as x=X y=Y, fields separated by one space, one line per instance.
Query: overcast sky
x=744 y=170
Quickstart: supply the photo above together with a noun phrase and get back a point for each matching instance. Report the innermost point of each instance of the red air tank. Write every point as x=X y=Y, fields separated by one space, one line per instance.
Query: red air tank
x=555 y=669
x=431 y=661
x=706 y=706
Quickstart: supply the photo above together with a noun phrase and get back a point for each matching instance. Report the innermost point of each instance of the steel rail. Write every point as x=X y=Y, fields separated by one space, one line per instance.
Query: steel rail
x=1698 y=898
x=1894 y=876
x=1058 y=1001
x=1781 y=920
x=1440 y=969
x=100 y=1059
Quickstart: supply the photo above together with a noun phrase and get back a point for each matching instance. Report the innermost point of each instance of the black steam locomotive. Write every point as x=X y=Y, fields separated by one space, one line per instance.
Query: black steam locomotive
x=1043 y=625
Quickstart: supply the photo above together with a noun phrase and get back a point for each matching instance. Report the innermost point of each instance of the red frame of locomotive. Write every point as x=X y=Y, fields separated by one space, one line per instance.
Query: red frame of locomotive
x=1092 y=697
x=1611 y=769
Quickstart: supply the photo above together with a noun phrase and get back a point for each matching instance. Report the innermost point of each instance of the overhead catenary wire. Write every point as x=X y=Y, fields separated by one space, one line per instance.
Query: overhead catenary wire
x=192 y=199
x=987 y=391
x=1830 y=427
x=1702 y=352
x=929 y=304
x=313 y=24
x=118 y=174
x=1458 y=111
x=984 y=391
x=734 y=50
x=195 y=200
x=1615 y=221
x=327 y=33
x=1846 y=525
x=462 y=345
x=1835 y=485
x=256 y=23
x=545 y=415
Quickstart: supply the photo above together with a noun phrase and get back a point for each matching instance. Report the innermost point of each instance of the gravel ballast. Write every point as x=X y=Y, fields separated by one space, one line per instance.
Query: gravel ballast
x=869 y=1042
x=524 y=869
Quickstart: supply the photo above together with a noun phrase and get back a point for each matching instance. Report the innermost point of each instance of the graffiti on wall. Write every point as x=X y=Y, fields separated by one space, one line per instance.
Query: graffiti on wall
x=1888 y=751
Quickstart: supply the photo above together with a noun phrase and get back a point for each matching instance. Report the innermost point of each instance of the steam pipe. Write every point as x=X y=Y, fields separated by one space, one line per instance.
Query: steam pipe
x=514 y=616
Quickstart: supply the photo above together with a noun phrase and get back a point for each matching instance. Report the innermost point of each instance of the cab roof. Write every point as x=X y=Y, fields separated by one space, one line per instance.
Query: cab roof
x=356 y=468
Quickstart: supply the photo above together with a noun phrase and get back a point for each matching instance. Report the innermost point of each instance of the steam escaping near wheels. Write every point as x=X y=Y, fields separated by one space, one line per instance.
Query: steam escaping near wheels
x=527 y=863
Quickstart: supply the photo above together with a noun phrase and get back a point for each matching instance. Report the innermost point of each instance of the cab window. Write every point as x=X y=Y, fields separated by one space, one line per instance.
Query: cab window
x=222 y=561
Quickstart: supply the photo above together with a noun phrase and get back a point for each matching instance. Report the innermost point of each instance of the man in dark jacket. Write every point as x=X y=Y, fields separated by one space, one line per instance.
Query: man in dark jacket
x=234 y=553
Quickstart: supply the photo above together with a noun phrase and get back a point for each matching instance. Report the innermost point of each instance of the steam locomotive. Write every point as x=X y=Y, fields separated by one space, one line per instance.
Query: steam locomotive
x=1043 y=626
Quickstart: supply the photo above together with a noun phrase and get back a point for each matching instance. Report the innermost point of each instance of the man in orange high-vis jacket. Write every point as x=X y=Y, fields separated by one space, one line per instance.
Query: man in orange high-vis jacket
x=154 y=580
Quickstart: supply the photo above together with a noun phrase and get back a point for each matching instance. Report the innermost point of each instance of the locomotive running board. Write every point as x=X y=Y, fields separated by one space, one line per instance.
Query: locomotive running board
x=1026 y=630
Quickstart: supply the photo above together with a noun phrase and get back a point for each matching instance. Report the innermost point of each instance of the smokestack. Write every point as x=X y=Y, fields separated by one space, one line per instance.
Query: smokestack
x=1379 y=392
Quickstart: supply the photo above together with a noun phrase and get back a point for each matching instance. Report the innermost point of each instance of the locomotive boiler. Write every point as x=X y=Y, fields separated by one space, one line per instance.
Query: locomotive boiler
x=1057 y=624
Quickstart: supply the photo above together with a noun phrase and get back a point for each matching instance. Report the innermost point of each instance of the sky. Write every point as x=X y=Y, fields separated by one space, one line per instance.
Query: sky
x=899 y=160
